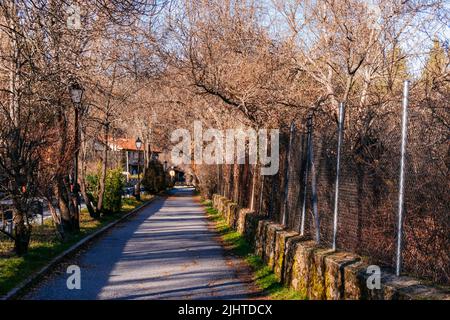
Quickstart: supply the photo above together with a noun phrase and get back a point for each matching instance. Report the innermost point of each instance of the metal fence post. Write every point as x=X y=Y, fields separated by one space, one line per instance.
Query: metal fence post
x=305 y=182
x=272 y=196
x=252 y=195
x=261 y=195
x=218 y=179
x=338 y=165
x=402 y=177
x=223 y=179
x=286 y=177
x=314 y=186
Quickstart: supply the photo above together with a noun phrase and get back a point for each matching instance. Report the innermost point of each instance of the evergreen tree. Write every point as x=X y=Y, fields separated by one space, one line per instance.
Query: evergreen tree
x=435 y=67
x=397 y=70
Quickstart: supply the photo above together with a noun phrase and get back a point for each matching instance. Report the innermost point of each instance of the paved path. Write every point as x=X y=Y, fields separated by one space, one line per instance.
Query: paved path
x=166 y=251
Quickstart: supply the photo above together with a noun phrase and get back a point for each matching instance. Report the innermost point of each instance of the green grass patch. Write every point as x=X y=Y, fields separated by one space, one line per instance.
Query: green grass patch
x=263 y=275
x=45 y=245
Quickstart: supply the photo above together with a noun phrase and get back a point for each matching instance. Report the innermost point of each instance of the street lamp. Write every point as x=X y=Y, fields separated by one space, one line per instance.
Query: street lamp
x=137 y=190
x=76 y=92
x=76 y=95
x=138 y=143
x=172 y=175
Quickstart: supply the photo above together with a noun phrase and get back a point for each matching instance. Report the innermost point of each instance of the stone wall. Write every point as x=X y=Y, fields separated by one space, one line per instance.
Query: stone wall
x=314 y=271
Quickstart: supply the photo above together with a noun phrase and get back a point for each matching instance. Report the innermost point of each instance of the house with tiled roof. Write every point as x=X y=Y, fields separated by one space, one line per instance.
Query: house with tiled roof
x=124 y=150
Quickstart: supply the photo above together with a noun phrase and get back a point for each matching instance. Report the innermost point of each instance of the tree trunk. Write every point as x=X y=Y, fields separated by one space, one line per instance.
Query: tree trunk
x=64 y=209
x=74 y=194
x=22 y=232
x=83 y=189
x=87 y=200
x=74 y=213
x=102 y=180
x=56 y=218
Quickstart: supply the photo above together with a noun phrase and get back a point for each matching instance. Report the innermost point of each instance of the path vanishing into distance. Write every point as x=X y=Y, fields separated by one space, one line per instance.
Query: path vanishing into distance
x=167 y=250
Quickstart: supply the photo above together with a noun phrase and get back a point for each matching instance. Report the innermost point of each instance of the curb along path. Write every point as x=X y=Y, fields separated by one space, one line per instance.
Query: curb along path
x=35 y=277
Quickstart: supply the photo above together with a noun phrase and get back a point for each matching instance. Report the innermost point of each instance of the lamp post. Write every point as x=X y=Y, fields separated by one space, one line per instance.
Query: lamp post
x=138 y=184
x=172 y=175
x=76 y=94
x=165 y=174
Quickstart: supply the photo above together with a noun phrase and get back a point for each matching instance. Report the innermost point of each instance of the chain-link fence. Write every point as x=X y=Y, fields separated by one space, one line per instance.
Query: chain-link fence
x=361 y=214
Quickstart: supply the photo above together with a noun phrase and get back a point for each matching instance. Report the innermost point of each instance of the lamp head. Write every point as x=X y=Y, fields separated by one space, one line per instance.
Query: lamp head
x=138 y=143
x=76 y=92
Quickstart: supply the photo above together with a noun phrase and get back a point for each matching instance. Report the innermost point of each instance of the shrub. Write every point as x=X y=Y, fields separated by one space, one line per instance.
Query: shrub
x=112 y=201
x=113 y=191
x=154 y=179
x=92 y=187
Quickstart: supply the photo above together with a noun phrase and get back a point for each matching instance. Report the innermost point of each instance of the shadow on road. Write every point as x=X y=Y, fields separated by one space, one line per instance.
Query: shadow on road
x=166 y=251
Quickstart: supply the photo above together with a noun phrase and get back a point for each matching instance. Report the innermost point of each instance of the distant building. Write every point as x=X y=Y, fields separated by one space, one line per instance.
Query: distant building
x=124 y=153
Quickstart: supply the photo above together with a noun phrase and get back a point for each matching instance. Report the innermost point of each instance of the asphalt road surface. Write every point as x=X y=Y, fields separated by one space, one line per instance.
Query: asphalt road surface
x=166 y=251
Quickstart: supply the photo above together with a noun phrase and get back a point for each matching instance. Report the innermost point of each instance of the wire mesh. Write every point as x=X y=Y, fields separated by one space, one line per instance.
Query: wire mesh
x=368 y=186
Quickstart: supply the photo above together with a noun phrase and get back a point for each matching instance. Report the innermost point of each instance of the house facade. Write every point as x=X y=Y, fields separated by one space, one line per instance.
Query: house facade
x=131 y=159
